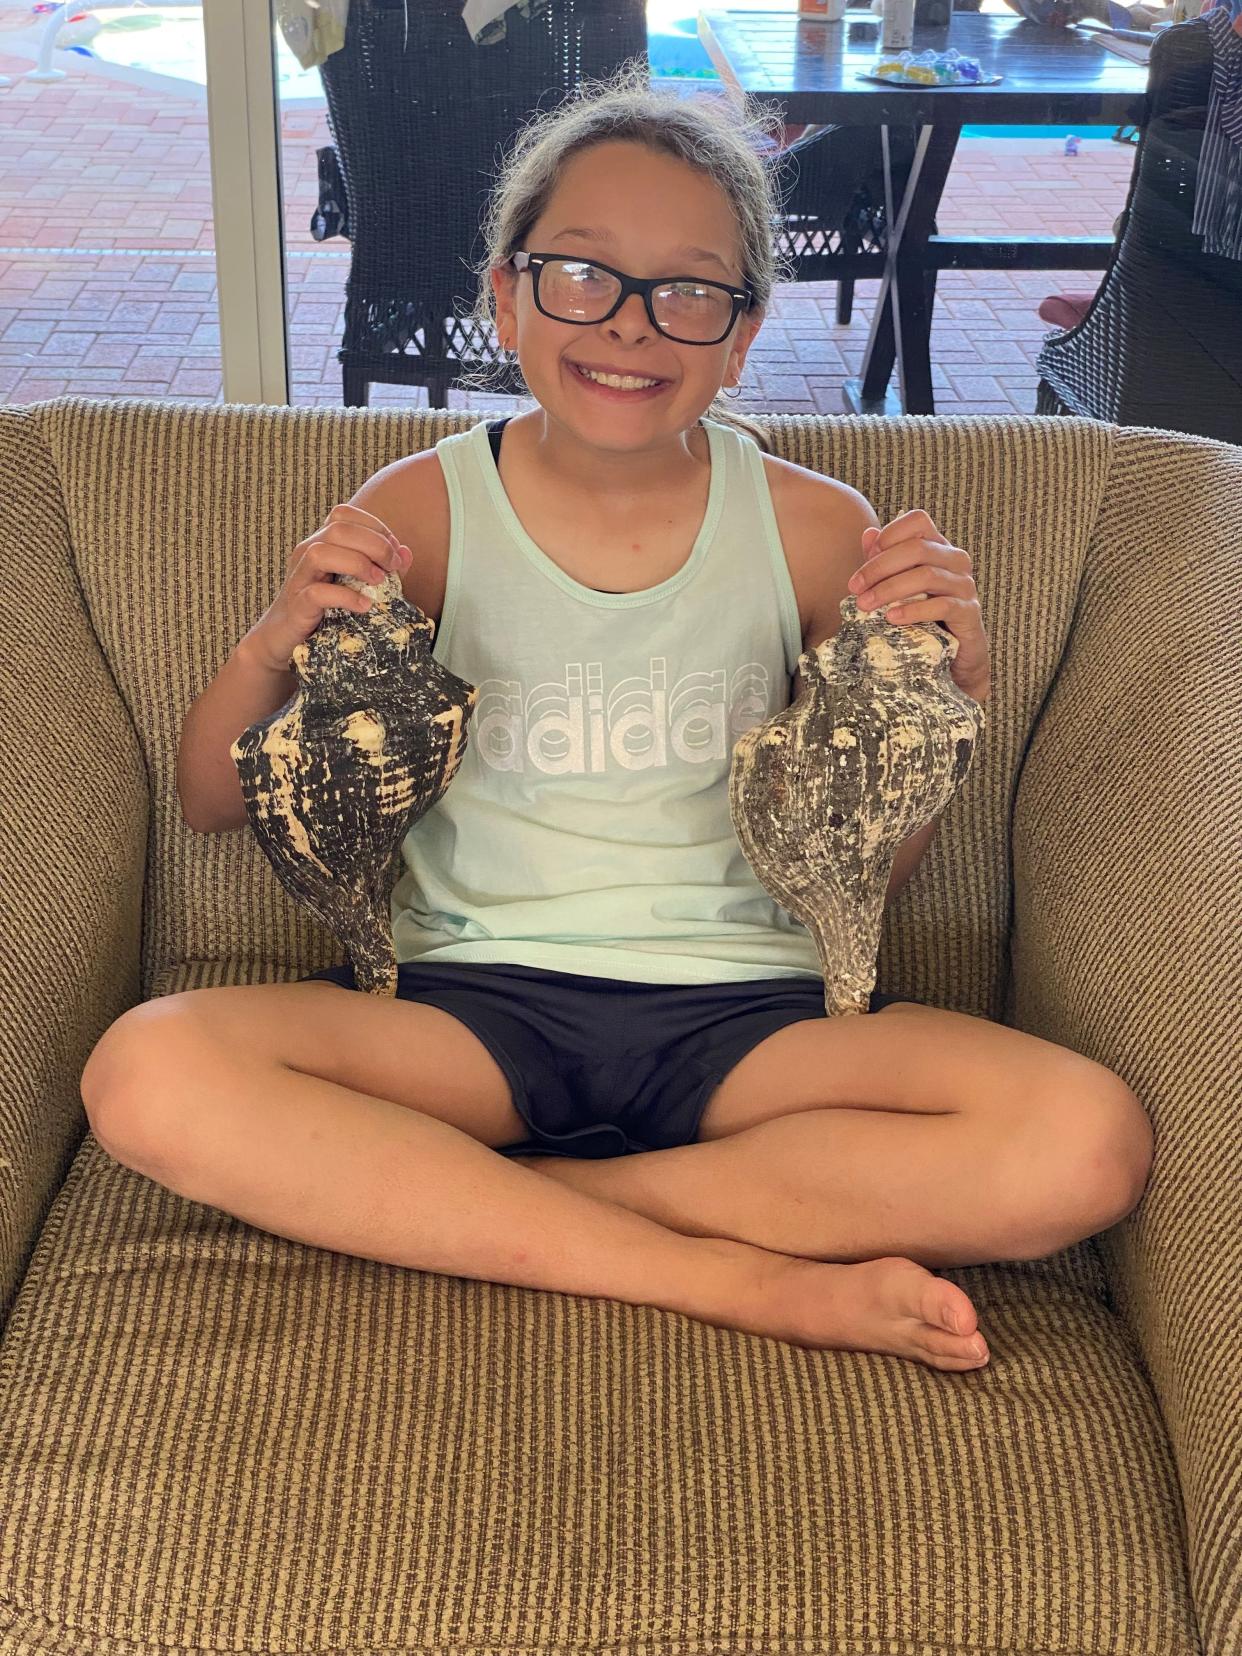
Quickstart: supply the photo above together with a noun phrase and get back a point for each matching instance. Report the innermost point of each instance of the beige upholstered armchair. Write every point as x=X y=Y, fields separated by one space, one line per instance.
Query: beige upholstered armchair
x=213 y=1438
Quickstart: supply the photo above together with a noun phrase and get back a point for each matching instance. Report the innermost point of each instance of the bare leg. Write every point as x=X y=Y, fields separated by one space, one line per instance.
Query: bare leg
x=326 y=1165
x=835 y=1184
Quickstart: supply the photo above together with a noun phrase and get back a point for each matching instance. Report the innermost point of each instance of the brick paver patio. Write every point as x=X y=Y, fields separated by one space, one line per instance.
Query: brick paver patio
x=107 y=270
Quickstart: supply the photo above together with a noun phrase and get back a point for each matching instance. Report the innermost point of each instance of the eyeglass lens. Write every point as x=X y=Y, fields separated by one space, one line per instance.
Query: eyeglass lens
x=575 y=291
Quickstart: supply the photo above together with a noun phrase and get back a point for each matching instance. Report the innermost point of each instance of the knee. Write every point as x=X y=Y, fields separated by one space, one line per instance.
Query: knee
x=1099 y=1146
x=130 y=1074
x=1117 y=1146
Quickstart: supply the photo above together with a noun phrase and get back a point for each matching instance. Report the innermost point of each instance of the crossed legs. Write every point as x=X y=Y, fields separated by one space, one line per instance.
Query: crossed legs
x=271 y=1103
x=969 y=1142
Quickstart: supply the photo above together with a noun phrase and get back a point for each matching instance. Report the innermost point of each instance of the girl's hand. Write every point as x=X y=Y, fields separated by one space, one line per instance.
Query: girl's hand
x=352 y=541
x=911 y=555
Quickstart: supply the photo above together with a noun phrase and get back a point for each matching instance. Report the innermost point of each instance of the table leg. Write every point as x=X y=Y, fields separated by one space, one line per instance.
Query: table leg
x=878 y=359
x=870 y=394
x=913 y=331
x=901 y=324
x=914 y=289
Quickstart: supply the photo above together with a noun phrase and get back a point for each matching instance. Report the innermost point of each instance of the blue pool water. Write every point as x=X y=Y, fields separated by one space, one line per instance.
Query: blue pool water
x=1037 y=131
x=172 y=44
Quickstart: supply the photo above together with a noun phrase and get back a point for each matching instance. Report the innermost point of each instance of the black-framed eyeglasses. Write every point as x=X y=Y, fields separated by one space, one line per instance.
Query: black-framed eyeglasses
x=689 y=309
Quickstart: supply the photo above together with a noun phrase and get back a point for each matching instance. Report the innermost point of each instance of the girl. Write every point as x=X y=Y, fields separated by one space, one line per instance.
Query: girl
x=588 y=966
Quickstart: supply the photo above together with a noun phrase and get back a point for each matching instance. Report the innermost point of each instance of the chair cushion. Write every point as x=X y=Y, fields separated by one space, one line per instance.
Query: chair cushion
x=219 y=1438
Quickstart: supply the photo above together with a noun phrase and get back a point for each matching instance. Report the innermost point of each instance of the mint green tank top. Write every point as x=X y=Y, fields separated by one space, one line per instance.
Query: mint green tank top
x=587 y=829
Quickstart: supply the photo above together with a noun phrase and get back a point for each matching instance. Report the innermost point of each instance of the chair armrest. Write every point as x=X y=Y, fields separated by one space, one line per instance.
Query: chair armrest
x=74 y=831
x=1127 y=888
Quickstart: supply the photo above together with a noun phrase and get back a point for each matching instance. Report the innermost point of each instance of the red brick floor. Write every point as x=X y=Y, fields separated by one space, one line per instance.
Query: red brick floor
x=107 y=271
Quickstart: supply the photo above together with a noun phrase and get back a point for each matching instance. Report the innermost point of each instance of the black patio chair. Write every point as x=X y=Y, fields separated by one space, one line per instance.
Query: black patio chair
x=1161 y=344
x=419 y=116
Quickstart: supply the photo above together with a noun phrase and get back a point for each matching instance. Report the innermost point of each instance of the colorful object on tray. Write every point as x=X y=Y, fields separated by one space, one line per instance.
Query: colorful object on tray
x=931 y=69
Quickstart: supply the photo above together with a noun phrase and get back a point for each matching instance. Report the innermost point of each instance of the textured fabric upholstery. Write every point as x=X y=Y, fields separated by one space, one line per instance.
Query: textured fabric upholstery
x=213 y=1437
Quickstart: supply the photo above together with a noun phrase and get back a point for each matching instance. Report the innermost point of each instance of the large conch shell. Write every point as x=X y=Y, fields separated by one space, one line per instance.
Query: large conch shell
x=824 y=792
x=335 y=778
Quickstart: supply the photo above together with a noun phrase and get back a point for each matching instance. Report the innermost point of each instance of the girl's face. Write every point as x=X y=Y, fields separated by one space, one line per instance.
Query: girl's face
x=640 y=211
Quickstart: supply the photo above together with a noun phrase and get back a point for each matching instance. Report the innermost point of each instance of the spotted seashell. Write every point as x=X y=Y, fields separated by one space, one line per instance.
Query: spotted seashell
x=825 y=791
x=335 y=778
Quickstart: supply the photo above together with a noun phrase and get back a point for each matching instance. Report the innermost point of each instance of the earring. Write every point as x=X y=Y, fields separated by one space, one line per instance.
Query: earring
x=736 y=391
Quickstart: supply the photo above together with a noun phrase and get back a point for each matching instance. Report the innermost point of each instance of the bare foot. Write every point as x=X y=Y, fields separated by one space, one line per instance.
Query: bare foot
x=891 y=1305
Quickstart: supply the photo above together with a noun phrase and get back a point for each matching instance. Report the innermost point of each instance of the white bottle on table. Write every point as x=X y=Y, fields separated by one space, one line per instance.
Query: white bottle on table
x=897 y=28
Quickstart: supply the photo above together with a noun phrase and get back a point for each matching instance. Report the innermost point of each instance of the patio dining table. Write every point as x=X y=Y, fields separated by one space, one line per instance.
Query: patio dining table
x=1050 y=76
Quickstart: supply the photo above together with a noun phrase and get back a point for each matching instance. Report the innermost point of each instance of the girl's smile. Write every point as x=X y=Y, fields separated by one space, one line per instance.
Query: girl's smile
x=613 y=393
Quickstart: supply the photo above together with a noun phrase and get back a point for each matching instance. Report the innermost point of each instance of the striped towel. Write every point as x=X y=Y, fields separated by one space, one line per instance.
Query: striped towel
x=486 y=18
x=1218 y=193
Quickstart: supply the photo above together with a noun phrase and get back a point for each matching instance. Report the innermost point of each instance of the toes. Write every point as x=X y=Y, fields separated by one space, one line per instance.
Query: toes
x=921 y=1302
x=939 y=1344
x=945 y=1303
x=947 y=1307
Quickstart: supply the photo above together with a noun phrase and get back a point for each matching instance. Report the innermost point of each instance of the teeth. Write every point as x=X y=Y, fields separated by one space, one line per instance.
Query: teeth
x=623 y=382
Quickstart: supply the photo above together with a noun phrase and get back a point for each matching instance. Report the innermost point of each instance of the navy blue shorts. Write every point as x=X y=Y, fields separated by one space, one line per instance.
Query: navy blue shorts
x=598 y=1066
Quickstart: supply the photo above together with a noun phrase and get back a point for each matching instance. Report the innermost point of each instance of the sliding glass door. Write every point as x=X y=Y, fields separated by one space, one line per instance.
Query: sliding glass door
x=244 y=112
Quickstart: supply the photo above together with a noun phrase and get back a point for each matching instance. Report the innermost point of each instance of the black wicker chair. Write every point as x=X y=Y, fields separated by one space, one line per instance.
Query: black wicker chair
x=419 y=115
x=1161 y=344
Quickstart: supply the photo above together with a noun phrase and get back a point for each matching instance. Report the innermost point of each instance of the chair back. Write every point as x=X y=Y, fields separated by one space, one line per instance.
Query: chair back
x=421 y=116
x=833 y=223
x=1161 y=344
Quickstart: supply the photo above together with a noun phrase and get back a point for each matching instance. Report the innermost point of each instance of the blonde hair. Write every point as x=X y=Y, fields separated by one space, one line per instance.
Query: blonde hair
x=721 y=137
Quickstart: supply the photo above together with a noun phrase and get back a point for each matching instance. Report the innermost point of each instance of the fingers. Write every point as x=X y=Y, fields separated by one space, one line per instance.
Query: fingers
x=385 y=549
x=358 y=514
x=349 y=523
x=916 y=525
x=351 y=542
x=907 y=543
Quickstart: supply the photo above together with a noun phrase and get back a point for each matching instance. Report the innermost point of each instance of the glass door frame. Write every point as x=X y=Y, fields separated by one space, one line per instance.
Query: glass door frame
x=243 y=122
